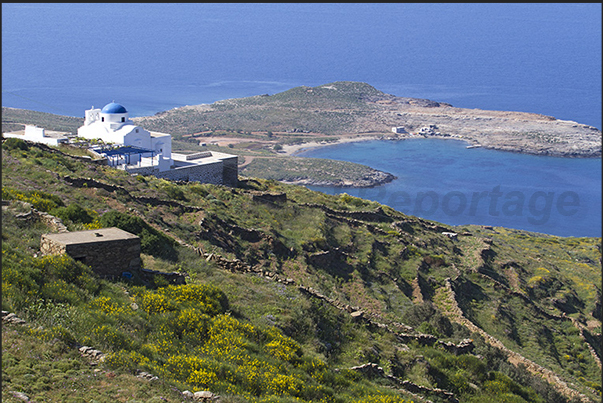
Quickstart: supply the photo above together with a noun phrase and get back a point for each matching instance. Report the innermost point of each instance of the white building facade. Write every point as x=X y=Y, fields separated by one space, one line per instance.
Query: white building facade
x=112 y=125
x=150 y=153
x=39 y=135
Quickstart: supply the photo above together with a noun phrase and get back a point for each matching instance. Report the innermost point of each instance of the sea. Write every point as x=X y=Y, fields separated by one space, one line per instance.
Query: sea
x=444 y=181
x=545 y=58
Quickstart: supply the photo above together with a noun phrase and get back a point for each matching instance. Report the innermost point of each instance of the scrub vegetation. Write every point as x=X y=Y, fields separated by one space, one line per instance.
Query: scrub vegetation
x=290 y=296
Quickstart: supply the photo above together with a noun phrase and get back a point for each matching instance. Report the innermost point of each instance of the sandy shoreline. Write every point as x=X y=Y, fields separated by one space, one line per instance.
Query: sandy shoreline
x=294 y=149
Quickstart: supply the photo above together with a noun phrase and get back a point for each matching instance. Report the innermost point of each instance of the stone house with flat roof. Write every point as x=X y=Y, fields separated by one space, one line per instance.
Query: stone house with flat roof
x=108 y=251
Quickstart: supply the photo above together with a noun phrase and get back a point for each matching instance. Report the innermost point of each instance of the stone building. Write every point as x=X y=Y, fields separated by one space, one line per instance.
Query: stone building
x=206 y=167
x=108 y=251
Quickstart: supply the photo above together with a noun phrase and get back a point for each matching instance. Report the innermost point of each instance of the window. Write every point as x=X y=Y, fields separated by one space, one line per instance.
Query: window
x=103 y=119
x=136 y=130
x=123 y=119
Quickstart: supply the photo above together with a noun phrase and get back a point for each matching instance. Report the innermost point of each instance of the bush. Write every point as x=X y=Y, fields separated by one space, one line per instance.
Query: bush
x=174 y=192
x=60 y=267
x=39 y=200
x=73 y=213
x=211 y=300
x=152 y=242
x=57 y=277
x=15 y=144
x=419 y=313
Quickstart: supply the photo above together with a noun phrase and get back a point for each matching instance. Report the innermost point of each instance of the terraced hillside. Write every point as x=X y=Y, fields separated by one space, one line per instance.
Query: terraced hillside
x=290 y=295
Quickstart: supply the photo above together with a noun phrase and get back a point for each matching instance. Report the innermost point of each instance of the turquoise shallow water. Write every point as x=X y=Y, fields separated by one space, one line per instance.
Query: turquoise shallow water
x=444 y=181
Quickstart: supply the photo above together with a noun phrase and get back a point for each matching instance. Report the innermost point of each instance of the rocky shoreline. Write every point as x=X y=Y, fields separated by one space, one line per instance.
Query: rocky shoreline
x=520 y=132
x=377 y=178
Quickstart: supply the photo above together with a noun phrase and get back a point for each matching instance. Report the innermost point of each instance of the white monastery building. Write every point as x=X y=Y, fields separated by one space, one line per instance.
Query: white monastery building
x=112 y=125
x=137 y=150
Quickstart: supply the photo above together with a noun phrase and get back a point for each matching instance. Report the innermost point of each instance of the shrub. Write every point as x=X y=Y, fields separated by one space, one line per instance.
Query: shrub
x=174 y=192
x=419 y=313
x=109 y=337
x=60 y=291
x=39 y=200
x=15 y=144
x=199 y=189
x=283 y=348
x=207 y=298
x=192 y=322
x=61 y=267
x=57 y=277
x=152 y=242
x=154 y=303
x=428 y=328
x=74 y=213
x=124 y=360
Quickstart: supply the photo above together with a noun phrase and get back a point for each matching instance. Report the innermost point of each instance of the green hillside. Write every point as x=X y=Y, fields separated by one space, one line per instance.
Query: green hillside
x=290 y=296
x=14 y=119
x=330 y=109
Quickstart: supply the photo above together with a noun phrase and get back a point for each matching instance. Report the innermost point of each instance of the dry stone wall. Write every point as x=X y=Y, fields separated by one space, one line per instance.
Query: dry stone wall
x=514 y=358
x=223 y=172
x=207 y=173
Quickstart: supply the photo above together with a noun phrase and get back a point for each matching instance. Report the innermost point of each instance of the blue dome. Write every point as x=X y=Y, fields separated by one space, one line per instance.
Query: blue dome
x=114 y=108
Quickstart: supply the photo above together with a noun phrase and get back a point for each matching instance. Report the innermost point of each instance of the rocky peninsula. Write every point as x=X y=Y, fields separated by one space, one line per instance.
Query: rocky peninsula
x=350 y=109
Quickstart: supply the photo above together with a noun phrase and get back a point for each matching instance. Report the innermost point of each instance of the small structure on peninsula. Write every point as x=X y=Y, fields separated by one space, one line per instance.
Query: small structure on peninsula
x=399 y=130
x=108 y=251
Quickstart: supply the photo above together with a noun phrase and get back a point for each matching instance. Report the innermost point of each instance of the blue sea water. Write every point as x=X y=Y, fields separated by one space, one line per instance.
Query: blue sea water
x=444 y=181
x=64 y=58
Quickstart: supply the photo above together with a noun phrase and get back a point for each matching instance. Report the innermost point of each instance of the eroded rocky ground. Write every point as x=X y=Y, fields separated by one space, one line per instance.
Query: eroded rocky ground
x=509 y=131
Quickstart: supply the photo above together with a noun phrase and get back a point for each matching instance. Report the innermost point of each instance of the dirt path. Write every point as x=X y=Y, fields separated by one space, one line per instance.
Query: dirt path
x=248 y=159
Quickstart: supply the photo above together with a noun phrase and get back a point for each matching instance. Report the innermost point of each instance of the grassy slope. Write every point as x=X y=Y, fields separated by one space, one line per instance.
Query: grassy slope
x=519 y=287
x=318 y=110
x=14 y=119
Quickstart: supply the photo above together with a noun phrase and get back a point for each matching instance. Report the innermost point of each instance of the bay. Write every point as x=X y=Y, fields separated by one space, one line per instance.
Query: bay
x=442 y=180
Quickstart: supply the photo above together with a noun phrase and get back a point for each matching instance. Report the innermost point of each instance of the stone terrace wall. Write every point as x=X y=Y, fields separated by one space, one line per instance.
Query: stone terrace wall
x=207 y=173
